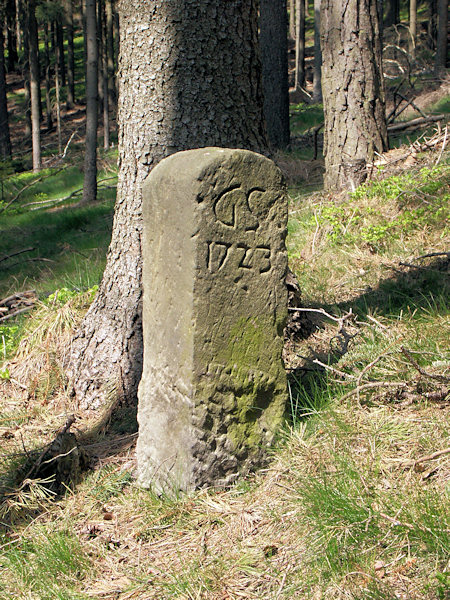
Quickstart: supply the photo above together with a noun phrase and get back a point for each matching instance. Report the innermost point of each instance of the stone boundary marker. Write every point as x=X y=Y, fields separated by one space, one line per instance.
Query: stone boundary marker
x=213 y=390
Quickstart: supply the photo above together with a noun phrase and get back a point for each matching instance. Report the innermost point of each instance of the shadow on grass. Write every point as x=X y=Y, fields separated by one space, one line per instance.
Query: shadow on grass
x=417 y=290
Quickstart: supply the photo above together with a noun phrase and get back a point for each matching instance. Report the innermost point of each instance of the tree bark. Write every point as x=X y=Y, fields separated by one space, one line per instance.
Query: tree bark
x=441 y=45
x=5 y=140
x=273 y=42
x=432 y=24
x=70 y=54
x=100 y=50
x=352 y=85
x=317 y=82
x=300 y=44
x=90 y=155
x=392 y=13
x=104 y=63
x=35 y=86
x=184 y=83
x=26 y=66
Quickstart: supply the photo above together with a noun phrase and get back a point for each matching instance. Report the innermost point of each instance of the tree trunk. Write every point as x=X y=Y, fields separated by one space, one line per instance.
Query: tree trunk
x=48 y=86
x=273 y=43
x=184 y=83
x=412 y=27
x=104 y=62
x=35 y=86
x=110 y=52
x=100 y=50
x=392 y=13
x=352 y=85
x=432 y=24
x=317 y=89
x=70 y=54
x=90 y=155
x=292 y=19
x=11 y=29
x=26 y=67
x=60 y=44
x=5 y=140
x=441 y=45
x=300 y=44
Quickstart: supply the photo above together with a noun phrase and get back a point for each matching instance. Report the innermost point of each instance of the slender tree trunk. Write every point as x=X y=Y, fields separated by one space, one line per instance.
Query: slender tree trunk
x=432 y=24
x=5 y=140
x=70 y=54
x=26 y=67
x=58 y=107
x=441 y=45
x=100 y=50
x=35 y=86
x=48 y=85
x=300 y=45
x=116 y=45
x=184 y=83
x=292 y=19
x=352 y=85
x=109 y=9
x=412 y=27
x=60 y=43
x=273 y=43
x=392 y=13
x=104 y=61
x=90 y=156
x=317 y=89
x=11 y=30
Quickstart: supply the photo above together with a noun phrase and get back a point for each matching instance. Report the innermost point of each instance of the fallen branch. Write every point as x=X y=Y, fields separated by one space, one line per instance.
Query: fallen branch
x=27 y=187
x=415 y=122
x=15 y=254
x=14 y=314
x=441 y=378
x=432 y=255
x=29 y=260
x=371 y=385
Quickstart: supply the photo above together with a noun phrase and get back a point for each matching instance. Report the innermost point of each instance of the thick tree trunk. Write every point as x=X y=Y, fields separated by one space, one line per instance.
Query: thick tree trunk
x=300 y=44
x=352 y=85
x=70 y=54
x=184 y=83
x=35 y=87
x=90 y=154
x=412 y=27
x=432 y=24
x=317 y=89
x=273 y=42
x=5 y=140
x=441 y=45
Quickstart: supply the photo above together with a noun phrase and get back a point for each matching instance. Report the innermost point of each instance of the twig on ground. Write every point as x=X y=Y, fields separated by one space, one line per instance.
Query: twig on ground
x=14 y=314
x=432 y=254
x=316 y=361
x=37 y=259
x=371 y=385
x=415 y=364
x=438 y=160
x=7 y=256
x=415 y=122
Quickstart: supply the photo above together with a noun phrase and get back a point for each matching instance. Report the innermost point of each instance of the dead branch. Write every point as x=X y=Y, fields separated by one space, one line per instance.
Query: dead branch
x=27 y=187
x=432 y=255
x=15 y=254
x=415 y=122
x=371 y=385
x=15 y=313
x=441 y=378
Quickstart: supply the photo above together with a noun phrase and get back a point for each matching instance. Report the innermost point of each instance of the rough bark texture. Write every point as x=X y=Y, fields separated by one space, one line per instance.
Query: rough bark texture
x=273 y=40
x=292 y=19
x=412 y=26
x=189 y=77
x=90 y=156
x=5 y=140
x=392 y=13
x=352 y=85
x=13 y=57
x=441 y=46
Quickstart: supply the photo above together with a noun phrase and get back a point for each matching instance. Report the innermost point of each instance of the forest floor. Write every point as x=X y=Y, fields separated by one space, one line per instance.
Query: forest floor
x=354 y=502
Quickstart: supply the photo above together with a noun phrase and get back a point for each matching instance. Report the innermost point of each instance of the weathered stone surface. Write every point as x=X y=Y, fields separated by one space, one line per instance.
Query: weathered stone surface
x=213 y=390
